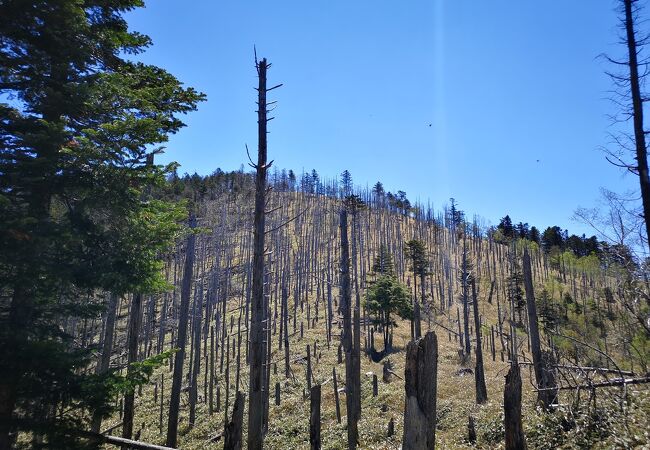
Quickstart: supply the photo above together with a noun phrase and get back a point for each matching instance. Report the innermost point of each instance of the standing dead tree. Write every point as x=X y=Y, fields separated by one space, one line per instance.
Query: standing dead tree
x=479 y=372
x=258 y=309
x=346 y=334
x=181 y=339
x=542 y=363
x=421 y=377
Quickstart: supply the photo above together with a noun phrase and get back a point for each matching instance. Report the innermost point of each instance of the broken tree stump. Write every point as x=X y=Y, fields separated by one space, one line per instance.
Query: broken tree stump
x=420 y=375
x=233 y=431
x=515 y=438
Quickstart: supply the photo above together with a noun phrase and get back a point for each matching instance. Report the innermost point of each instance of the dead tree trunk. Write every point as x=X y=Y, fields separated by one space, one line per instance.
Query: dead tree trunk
x=515 y=438
x=479 y=372
x=464 y=282
x=346 y=334
x=257 y=349
x=181 y=338
x=543 y=370
x=637 y=113
x=421 y=375
x=314 y=417
x=233 y=431
x=107 y=349
x=129 y=397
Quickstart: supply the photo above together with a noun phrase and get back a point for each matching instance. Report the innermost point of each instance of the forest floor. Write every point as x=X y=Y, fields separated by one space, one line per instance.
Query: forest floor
x=289 y=422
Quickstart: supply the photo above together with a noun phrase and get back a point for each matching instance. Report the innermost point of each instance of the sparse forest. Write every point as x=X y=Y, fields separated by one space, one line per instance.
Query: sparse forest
x=272 y=308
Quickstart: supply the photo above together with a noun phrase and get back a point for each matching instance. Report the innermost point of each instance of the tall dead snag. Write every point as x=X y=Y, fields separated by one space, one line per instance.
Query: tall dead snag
x=465 y=275
x=134 y=329
x=257 y=348
x=233 y=430
x=346 y=334
x=542 y=365
x=515 y=438
x=421 y=377
x=181 y=338
x=479 y=372
x=641 y=151
x=314 y=417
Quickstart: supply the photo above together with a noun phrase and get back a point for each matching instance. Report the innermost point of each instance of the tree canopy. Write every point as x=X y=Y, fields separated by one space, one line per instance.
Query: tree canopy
x=80 y=124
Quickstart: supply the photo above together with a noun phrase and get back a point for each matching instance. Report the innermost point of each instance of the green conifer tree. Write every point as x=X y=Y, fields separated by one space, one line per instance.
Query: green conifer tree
x=74 y=141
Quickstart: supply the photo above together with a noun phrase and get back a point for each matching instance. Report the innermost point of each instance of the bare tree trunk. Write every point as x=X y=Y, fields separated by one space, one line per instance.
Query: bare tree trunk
x=107 y=350
x=515 y=438
x=479 y=372
x=129 y=397
x=181 y=338
x=637 y=113
x=464 y=275
x=543 y=372
x=257 y=349
x=346 y=335
x=314 y=417
x=233 y=430
x=421 y=376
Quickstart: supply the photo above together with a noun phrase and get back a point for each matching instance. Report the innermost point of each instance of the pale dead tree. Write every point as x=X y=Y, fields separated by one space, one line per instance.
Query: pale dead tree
x=628 y=96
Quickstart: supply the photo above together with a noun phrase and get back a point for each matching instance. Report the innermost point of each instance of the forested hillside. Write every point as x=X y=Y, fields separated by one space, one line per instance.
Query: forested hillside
x=268 y=309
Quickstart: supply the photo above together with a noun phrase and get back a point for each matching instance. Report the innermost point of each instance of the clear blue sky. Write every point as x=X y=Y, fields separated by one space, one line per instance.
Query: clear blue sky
x=437 y=98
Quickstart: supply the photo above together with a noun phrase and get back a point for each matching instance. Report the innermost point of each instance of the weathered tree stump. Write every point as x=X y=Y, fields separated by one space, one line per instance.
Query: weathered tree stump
x=515 y=438
x=471 y=430
x=233 y=430
x=375 y=388
x=387 y=371
x=391 y=427
x=420 y=375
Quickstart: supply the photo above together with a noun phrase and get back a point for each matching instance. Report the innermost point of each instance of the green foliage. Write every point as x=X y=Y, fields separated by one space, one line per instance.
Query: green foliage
x=75 y=186
x=416 y=251
x=386 y=296
x=139 y=374
x=383 y=263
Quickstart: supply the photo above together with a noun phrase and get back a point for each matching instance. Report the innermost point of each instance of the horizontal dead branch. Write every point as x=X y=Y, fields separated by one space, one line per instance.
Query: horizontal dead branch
x=615 y=382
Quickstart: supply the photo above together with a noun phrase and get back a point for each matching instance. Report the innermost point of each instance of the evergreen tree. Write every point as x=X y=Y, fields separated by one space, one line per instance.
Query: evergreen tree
x=346 y=183
x=378 y=189
x=383 y=263
x=505 y=225
x=416 y=251
x=74 y=220
x=522 y=230
x=534 y=234
x=553 y=237
x=387 y=296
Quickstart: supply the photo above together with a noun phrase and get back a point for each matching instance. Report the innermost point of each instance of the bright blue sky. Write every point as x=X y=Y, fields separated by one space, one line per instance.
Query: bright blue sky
x=503 y=84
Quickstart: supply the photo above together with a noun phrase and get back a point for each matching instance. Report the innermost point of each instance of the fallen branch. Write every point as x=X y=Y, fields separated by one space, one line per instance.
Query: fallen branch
x=615 y=382
x=586 y=369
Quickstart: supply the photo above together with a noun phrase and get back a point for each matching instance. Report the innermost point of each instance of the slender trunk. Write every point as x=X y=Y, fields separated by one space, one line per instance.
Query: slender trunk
x=479 y=372
x=637 y=113
x=543 y=373
x=181 y=338
x=346 y=334
x=257 y=349
x=134 y=331
x=107 y=350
